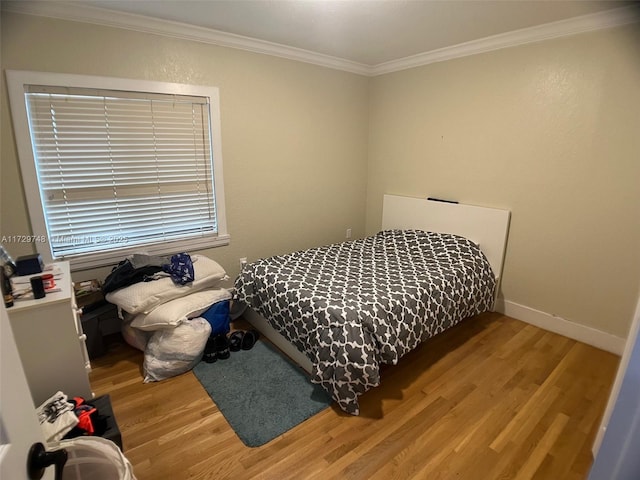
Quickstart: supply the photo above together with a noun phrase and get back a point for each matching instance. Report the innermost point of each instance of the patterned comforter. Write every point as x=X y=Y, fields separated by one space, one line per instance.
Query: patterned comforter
x=353 y=306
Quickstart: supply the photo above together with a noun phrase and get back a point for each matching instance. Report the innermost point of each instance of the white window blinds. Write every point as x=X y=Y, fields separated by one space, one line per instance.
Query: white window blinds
x=120 y=169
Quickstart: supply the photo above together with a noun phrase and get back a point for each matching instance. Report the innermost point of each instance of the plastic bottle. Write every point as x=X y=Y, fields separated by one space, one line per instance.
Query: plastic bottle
x=7 y=262
x=7 y=289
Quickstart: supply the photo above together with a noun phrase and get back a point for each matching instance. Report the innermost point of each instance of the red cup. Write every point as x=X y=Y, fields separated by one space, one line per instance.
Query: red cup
x=48 y=281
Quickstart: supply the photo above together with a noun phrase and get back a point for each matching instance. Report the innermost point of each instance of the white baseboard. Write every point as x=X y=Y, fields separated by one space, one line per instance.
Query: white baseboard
x=553 y=323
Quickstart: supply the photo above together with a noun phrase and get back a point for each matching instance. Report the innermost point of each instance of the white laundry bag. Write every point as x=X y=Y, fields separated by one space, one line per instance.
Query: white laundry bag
x=94 y=458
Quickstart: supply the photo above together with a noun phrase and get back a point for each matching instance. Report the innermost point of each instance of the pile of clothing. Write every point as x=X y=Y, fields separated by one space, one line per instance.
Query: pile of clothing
x=171 y=307
x=63 y=417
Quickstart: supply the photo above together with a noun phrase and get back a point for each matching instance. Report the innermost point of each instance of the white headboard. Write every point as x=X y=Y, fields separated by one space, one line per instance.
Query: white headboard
x=487 y=227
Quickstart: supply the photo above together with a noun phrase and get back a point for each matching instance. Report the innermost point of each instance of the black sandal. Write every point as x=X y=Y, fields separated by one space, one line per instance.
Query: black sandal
x=221 y=346
x=235 y=340
x=249 y=339
x=209 y=355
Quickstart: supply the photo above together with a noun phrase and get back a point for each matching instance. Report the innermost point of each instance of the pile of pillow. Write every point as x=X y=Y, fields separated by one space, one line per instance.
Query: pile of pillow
x=164 y=315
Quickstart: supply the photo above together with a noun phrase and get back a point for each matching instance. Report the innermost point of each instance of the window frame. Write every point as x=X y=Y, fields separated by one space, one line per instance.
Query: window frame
x=17 y=81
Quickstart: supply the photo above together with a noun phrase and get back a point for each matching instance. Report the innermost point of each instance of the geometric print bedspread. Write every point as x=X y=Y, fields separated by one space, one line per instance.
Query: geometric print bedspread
x=353 y=306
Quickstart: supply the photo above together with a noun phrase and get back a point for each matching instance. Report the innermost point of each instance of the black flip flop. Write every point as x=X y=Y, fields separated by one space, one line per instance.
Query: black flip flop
x=209 y=355
x=249 y=339
x=235 y=340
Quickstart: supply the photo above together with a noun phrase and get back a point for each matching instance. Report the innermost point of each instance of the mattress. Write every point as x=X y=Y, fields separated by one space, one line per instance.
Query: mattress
x=351 y=307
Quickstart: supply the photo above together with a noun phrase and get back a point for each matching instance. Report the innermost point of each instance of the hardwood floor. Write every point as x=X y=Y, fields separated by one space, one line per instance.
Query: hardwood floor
x=490 y=399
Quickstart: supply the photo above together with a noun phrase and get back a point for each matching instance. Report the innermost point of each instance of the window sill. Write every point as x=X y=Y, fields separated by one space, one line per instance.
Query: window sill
x=113 y=257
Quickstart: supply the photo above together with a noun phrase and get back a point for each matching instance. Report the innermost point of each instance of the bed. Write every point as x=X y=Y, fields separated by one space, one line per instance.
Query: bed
x=343 y=310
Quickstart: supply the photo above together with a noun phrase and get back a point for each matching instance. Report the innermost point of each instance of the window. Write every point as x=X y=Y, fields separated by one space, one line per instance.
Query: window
x=110 y=166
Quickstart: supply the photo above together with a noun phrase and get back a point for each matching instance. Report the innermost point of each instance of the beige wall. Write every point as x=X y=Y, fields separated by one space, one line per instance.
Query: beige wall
x=550 y=131
x=294 y=135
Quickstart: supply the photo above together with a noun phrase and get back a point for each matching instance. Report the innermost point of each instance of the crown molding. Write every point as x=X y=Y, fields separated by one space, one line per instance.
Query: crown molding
x=99 y=16
x=183 y=31
x=572 y=26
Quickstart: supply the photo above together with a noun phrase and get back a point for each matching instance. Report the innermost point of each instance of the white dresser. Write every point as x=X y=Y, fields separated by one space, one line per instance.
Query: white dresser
x=50 y=341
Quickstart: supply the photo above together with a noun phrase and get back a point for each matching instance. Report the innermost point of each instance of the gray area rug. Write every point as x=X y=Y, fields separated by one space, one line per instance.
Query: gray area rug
x=261 y=393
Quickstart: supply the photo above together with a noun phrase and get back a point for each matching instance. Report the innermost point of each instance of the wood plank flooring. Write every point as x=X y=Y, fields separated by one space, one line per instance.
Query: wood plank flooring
x=491 y=399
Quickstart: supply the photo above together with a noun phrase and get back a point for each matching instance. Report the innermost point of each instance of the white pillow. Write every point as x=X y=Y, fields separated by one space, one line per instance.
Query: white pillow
x=174 y=312
x=144 y=296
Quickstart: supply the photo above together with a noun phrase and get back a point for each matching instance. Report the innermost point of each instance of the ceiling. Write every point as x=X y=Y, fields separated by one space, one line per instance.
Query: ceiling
x=369 y=32
x=363 y=34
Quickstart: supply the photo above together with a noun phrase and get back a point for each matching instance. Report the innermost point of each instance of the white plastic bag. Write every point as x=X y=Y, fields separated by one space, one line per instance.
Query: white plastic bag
x=134 y=337
x=94 y=458
x=174 y=351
